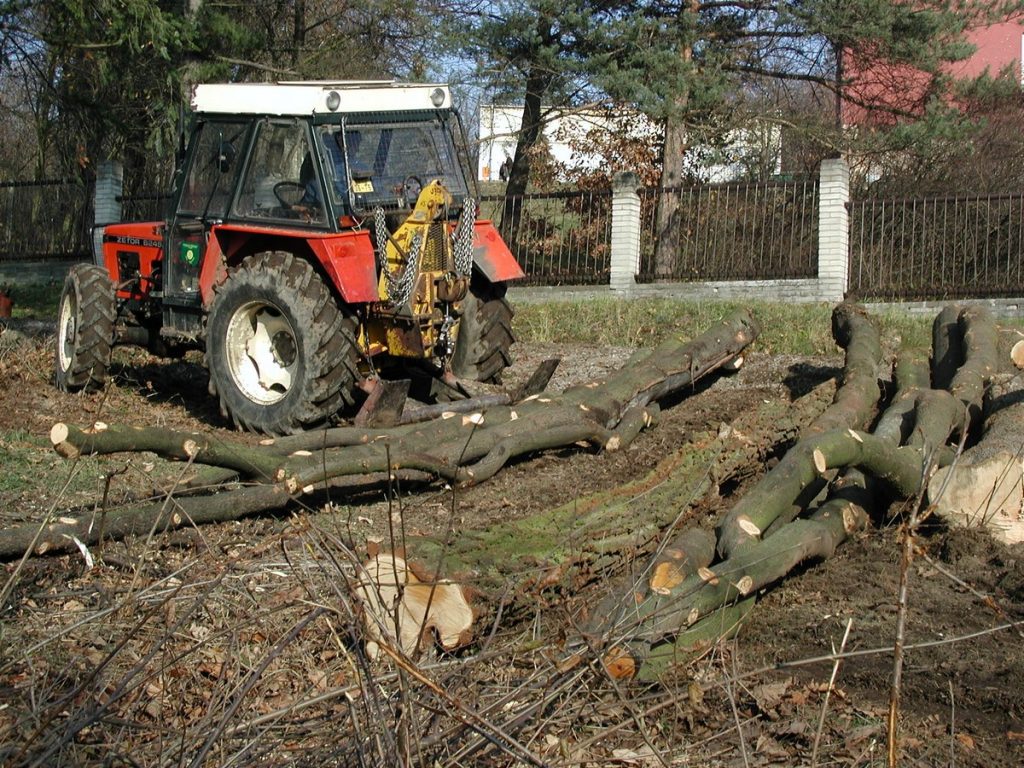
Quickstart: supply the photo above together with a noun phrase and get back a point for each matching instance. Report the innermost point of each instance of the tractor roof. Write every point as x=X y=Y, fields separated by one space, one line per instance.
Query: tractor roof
x=318 y=97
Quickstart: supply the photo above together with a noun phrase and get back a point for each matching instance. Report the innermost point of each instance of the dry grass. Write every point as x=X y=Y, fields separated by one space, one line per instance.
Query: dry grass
x=251 y=652
x=787 y=329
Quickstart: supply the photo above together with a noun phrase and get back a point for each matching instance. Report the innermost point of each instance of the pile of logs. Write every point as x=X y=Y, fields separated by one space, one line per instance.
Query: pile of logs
x=883 y=438
x=458 y=447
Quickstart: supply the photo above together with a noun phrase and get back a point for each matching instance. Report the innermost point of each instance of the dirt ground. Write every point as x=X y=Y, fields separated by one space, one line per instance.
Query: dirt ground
x=962 y=694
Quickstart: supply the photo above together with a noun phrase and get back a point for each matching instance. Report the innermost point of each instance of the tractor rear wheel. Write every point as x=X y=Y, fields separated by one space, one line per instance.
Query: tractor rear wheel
x=484 y=343
x=280 y=351
x=85 y=328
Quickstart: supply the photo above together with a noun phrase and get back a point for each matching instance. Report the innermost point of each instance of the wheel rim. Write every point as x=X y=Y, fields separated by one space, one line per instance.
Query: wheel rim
x=67 y=329
x=262 y=352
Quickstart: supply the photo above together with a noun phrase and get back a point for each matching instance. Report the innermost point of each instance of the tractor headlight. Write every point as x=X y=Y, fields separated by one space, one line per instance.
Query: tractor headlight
x=437 y=97
x=333 y=100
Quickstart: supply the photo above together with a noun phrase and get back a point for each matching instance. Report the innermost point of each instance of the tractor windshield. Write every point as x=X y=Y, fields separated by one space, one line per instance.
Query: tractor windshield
x=386 y=165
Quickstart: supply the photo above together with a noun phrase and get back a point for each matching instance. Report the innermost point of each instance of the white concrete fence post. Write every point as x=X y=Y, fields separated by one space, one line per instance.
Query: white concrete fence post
x=624 y=261
x=833 y=230
x=106 y=200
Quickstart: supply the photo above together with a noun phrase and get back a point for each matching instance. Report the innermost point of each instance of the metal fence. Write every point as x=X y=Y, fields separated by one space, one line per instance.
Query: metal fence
x=937 y=248
x=144 y=206
x=50 y=219
x=752 y=231
x=561 y=238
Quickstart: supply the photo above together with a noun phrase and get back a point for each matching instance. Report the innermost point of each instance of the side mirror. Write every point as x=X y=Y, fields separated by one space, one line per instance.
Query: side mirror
x=225 y=156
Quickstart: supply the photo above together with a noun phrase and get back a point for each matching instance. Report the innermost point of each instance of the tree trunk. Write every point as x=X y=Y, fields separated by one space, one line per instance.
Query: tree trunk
x=667 y=246
x=668 y=243
x=538 y=81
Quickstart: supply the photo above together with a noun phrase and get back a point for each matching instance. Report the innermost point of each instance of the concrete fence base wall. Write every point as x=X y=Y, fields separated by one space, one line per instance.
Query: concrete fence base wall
x=34 y=272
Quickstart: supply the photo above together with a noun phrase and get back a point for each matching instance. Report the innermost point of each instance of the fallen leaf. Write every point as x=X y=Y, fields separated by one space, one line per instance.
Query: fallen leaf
x=965 y=741
x=769 y=747
x=769 y=695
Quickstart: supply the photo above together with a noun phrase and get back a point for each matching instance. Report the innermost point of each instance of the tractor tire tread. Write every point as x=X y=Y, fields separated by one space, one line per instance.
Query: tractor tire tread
x=332 y=364
x=484 y=343
x=97 y=314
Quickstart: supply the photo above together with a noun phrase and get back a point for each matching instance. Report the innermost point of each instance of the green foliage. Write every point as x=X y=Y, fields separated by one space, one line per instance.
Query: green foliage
x=111 y=78
x=113 y=75
x=705 y=66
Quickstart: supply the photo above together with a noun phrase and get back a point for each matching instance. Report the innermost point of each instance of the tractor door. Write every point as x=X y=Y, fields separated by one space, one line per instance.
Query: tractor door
x=207 y=186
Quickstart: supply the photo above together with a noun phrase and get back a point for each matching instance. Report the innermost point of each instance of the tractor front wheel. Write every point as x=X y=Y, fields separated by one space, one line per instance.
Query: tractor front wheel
x=85 y=328
x=483 y=347
x=280 y=351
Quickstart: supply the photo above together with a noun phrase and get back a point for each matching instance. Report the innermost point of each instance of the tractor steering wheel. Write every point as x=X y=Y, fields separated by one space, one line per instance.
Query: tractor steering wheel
x=411 y=188
x=289 y=193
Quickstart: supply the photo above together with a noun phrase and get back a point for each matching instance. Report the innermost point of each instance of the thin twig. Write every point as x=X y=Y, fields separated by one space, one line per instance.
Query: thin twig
x=828 y=693
x=727 y=687
x=952 y=727
x=254 y=676
x=881 y=651
x=492 y=733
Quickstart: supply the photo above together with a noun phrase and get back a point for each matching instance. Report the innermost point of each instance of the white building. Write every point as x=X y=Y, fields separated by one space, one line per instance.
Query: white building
x=566 y=132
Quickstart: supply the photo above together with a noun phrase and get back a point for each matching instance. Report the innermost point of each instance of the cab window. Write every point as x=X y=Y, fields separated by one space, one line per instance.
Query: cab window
x=389 y=164
x=280 y=181
x=215 y=158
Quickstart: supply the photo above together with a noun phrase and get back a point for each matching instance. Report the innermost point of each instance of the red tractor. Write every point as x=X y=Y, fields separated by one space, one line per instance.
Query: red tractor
x=320 y=234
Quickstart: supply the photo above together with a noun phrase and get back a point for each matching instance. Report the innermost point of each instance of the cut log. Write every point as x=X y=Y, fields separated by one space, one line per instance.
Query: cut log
x=985 y=486
x=980 y=342
x=664 y=618
x=853 y=407
x=1017 y=354
x=70 y=442
x=858 y=393
x=406 y=606
x=947 y=346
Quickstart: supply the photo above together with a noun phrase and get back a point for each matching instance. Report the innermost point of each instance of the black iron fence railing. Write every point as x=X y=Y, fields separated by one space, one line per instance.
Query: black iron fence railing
x=937 y=248
x=560 y=238
x=48 y=219
x=752 y=231
x=934 y=248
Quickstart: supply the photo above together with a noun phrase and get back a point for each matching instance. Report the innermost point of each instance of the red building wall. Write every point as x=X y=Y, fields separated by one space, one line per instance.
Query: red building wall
x=906 y=89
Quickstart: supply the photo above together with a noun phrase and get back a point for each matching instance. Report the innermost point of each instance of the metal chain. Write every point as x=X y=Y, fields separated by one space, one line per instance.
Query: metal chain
x=399 y=286
x=380 y=227
x=462 y=238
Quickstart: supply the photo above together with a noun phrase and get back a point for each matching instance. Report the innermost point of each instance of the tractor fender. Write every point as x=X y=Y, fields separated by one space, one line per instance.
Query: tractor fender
x=350 y=264
x=492 y=256
x=346 y=257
